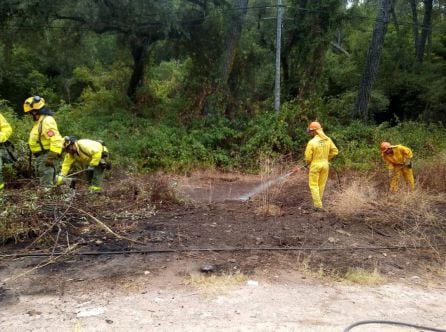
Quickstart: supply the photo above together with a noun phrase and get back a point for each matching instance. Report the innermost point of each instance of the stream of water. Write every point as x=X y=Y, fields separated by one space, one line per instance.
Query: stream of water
x=263 y=186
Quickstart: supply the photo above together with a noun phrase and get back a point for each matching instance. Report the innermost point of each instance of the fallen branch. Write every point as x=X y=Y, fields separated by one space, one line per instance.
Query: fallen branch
x=104 y=226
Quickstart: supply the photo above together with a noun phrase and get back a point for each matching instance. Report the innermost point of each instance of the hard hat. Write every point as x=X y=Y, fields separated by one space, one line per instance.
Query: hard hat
x=33 y=103
x=384 y=146
x=68 y=140
x=314 y=126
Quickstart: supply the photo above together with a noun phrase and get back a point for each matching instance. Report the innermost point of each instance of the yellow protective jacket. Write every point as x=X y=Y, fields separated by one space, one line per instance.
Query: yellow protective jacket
x=45 y=136
x=400 y=155
x=5 y=129
x=89 y=152
x=320 y=149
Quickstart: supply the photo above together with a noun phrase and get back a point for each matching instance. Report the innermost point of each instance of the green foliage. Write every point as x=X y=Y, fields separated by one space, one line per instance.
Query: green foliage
x=359 y=143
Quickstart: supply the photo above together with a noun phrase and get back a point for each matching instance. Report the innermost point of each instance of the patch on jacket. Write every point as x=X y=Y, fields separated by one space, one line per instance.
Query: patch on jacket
x=50 y=133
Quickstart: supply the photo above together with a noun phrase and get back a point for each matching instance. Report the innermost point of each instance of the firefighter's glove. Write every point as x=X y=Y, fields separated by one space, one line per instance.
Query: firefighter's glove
x=59 y=180
x=408 y=163
x=104 y=164
x=52 y=156
x=390 y=173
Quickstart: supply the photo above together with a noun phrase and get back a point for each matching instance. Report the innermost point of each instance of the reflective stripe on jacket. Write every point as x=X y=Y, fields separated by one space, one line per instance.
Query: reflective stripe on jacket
x=45 y=136
x=5 y=129
x=89 y=152
x=399 y=157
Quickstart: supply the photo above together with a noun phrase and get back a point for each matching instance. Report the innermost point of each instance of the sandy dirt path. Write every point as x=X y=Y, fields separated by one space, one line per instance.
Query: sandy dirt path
x=164 y=301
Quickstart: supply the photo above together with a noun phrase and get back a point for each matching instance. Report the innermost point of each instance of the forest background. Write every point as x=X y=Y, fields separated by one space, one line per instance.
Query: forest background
x=184 y=84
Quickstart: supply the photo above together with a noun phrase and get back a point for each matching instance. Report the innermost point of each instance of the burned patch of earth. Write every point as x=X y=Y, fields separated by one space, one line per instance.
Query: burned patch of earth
x=296 y=257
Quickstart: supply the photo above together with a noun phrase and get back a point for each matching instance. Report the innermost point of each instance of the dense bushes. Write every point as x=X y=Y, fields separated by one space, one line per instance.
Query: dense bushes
x=139 y=142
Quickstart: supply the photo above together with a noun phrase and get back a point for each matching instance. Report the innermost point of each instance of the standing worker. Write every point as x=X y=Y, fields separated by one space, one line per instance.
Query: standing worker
x=320 y=149
x=44 y=141
x=399 y=161
x=92 y=155
x=5 y=133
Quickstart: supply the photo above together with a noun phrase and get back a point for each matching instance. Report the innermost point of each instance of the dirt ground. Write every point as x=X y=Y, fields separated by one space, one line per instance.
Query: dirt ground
x=211 y=251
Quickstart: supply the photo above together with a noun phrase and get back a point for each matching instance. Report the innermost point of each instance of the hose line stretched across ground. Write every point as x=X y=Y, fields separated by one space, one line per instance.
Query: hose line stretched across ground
x=227 y=249
x=390 y=322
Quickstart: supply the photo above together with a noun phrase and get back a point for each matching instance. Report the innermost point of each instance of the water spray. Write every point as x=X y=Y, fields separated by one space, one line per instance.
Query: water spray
x=263 y=186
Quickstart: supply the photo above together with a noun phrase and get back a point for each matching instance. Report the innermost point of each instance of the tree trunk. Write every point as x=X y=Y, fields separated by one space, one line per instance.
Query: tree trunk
x=138 y=48
x=416 y=34
x=374 y=54
x=226 y=61
x=425 y=29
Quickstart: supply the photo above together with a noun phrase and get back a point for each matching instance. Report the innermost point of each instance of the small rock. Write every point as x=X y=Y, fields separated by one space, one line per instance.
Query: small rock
x=332 y=240
x=252 y=283
x=33 y=312
x=89 y=312
x=340 y=231
x=208 y=268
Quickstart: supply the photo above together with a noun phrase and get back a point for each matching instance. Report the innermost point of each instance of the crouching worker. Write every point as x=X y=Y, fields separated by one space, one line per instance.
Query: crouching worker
x=399 y=162
x=92 y=155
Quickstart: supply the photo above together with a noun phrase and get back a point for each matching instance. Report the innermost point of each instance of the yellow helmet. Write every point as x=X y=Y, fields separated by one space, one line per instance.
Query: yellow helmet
x=33 y=103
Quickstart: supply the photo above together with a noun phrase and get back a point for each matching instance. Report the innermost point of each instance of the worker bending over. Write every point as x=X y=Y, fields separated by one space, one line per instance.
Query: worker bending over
x=92 y=155
x=399 y=161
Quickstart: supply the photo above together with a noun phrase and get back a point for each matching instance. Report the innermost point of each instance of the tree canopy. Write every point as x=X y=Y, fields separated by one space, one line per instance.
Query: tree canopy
x=373 y=60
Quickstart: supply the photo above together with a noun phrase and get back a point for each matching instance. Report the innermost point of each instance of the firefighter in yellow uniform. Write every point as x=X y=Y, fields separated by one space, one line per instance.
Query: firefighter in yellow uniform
x=92 y=155
x=5 y=133
x=320 y=149
x=45 y=141
x=399 y=162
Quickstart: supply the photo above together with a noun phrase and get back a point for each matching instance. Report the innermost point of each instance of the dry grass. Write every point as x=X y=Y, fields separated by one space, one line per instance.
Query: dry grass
x=432 y=174
x=60 y=216
x=363 y=277
x=269 y=209
x=417 y=215
x=362 y=199
x=271 y=172
x=212 y=285
x=354 y=199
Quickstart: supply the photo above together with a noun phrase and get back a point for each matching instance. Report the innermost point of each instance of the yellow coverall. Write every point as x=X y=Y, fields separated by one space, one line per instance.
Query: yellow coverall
x=88 y=153
x=320 y=149
x=5 y=133
x=44 y=140
x=45 y=136
x=396 y=163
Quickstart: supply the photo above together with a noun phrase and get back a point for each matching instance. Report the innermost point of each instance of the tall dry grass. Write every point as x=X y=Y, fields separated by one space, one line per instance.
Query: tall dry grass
x=354 y=199
x=272 y=172
x=432 y=174
x=419 y=216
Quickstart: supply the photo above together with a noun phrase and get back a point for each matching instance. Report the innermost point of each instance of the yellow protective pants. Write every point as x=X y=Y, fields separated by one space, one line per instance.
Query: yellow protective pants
x=407 y=173
x=317 y=179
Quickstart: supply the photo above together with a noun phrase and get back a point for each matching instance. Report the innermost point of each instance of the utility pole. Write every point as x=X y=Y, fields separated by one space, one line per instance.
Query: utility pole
x=278 y=46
